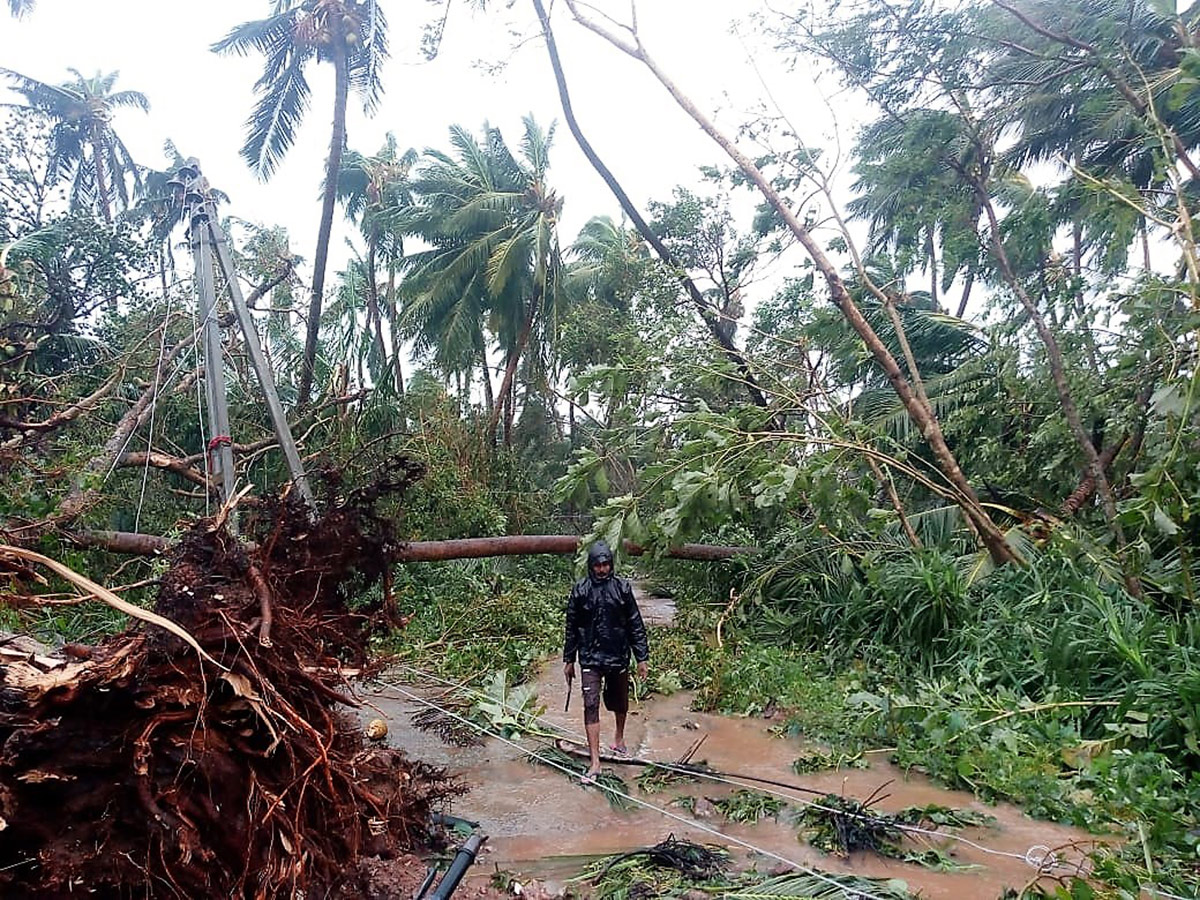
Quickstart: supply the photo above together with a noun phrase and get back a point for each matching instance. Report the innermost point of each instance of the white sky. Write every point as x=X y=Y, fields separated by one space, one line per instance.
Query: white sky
x=201 y=101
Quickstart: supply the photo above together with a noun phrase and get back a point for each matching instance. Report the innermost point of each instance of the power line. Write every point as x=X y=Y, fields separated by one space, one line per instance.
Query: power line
x=1038 y=856
x=637 y=800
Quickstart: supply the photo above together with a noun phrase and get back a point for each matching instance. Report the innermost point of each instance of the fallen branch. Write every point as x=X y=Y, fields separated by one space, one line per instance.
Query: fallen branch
x=106 y=596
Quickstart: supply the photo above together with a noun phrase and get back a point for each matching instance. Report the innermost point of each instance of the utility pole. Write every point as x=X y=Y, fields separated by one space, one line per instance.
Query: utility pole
x=208 y=240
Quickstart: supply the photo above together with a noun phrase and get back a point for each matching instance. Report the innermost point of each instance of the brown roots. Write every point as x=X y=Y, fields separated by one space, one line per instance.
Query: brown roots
x=138 y=770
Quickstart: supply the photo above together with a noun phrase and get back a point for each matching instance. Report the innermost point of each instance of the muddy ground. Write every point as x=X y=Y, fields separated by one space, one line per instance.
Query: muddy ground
x=543 y=825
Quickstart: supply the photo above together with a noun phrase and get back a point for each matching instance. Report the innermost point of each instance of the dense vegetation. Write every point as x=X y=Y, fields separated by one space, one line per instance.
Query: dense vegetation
x=964 y=431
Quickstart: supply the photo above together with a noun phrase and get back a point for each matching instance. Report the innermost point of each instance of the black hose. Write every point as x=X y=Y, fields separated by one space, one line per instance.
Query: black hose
x=429 y=876
x=458 y=868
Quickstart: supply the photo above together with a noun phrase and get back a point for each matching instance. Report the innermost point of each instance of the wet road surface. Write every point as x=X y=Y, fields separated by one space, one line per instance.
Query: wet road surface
x=543 y=825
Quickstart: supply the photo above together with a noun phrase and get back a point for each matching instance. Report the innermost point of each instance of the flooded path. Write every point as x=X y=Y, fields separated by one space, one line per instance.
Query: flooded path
x=543 y=825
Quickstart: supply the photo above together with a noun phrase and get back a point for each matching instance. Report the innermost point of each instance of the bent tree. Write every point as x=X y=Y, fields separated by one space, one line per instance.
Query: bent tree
x=919 y=410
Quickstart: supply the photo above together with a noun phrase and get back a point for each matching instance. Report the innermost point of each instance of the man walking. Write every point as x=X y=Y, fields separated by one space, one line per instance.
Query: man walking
x=604 y=625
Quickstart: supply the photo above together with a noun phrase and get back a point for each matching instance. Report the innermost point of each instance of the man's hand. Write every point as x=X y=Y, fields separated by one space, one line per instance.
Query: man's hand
x=569 y=671
x=642 y=669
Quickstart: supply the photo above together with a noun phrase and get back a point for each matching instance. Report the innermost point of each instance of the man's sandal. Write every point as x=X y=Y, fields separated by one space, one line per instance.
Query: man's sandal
x=589 y=778
x=618 y=749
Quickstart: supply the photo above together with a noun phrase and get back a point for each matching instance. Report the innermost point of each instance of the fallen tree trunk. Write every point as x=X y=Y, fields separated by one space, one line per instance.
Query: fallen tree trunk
x=438 y=551
x=561 y=544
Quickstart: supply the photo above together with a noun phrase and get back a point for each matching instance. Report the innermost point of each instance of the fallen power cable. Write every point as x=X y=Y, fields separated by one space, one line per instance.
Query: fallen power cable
x=791 y=863
x=1039 y=857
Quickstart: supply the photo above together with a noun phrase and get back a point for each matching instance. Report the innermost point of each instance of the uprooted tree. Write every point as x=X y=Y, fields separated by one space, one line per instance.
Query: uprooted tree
x=226 y=764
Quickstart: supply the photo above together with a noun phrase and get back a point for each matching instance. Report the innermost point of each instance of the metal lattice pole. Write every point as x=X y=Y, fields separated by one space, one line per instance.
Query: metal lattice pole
x=219 y=442
x=208 y=239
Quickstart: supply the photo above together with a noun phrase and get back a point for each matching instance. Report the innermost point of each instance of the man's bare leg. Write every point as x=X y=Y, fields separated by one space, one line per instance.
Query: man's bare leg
x=593 y=739
x=619 y=737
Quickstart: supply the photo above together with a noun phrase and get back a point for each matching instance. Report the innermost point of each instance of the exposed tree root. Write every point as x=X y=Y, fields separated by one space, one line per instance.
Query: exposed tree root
x=141 y=771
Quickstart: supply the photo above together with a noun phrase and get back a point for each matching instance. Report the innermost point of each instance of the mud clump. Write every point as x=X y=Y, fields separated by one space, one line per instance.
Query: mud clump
x=138 y=769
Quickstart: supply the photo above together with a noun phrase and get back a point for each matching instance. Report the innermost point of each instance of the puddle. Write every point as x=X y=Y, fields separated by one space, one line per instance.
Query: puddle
x=541 y=825
x=657 y=610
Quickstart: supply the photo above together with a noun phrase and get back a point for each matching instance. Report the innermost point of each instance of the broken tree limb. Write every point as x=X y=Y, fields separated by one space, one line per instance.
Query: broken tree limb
x=84 y=494
x=561 y=544
x=106 y=596
x=436 y=551
x=122 y=542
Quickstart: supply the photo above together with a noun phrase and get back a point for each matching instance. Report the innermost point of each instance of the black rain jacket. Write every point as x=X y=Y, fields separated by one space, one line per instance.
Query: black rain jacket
x=603 y=620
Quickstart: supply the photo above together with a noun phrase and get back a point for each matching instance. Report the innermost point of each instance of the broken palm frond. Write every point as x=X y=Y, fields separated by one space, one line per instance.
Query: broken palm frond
x=747 y=806
x=605 y=781
x=840 y=826
x=651 y=872
x=819 y=761
x=104 y=595
x=935 y=815
x=823 y=887
x=451 y=730
x=654 y=779
x=254 y=783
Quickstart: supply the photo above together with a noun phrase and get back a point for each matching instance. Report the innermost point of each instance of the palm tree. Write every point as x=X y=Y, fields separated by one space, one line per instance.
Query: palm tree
x=84 y=145
x=375 y=192
x=914 y=199
x=21 y=8
x=493 y=222
x=352 y=36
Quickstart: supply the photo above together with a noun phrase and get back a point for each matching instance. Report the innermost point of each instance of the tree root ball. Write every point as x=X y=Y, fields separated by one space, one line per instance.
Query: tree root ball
x=137 y=770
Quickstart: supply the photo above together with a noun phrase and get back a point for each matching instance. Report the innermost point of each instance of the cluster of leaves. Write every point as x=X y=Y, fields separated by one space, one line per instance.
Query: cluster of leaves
x=473 y=618
x=747 y=807
x=666 y=869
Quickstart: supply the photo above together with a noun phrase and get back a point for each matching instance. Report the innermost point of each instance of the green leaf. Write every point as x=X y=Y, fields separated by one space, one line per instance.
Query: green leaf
x=1164 y=522
x=1168 y=400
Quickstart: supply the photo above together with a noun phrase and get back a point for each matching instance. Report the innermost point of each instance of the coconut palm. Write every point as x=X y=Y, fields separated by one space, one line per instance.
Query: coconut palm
x=351 y=35
x=21 y=8
x=1087 y=104
x=84 y=146
x=492 y=221
x=911 y=193
x=375 y=192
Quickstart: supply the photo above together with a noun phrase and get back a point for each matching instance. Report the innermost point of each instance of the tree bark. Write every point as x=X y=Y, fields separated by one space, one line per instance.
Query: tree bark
x=966 y=294
x=97 y=143
x=373 y=308
x=723 y=339
x=489 y=397
x=931 y=256
x=437 y=551
x=333 y=166
x=514 y=358
x=989 y=533
x=1058 y=376
x=397 y=371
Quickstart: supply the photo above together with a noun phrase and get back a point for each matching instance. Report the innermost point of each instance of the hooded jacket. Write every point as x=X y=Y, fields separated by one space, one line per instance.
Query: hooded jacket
x=603 y=620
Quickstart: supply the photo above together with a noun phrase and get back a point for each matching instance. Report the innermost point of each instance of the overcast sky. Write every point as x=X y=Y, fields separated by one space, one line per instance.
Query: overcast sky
x=201 y=101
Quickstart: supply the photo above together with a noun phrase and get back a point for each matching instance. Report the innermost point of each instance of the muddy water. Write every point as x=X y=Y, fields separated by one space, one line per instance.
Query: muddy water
x=541 y=824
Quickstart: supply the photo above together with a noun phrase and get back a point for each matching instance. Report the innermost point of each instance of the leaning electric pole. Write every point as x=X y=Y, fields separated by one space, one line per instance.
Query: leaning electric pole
x=208 y=242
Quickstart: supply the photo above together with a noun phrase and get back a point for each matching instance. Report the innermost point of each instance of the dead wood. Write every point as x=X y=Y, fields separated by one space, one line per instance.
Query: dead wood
x=138 y=770
x=435 y=551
